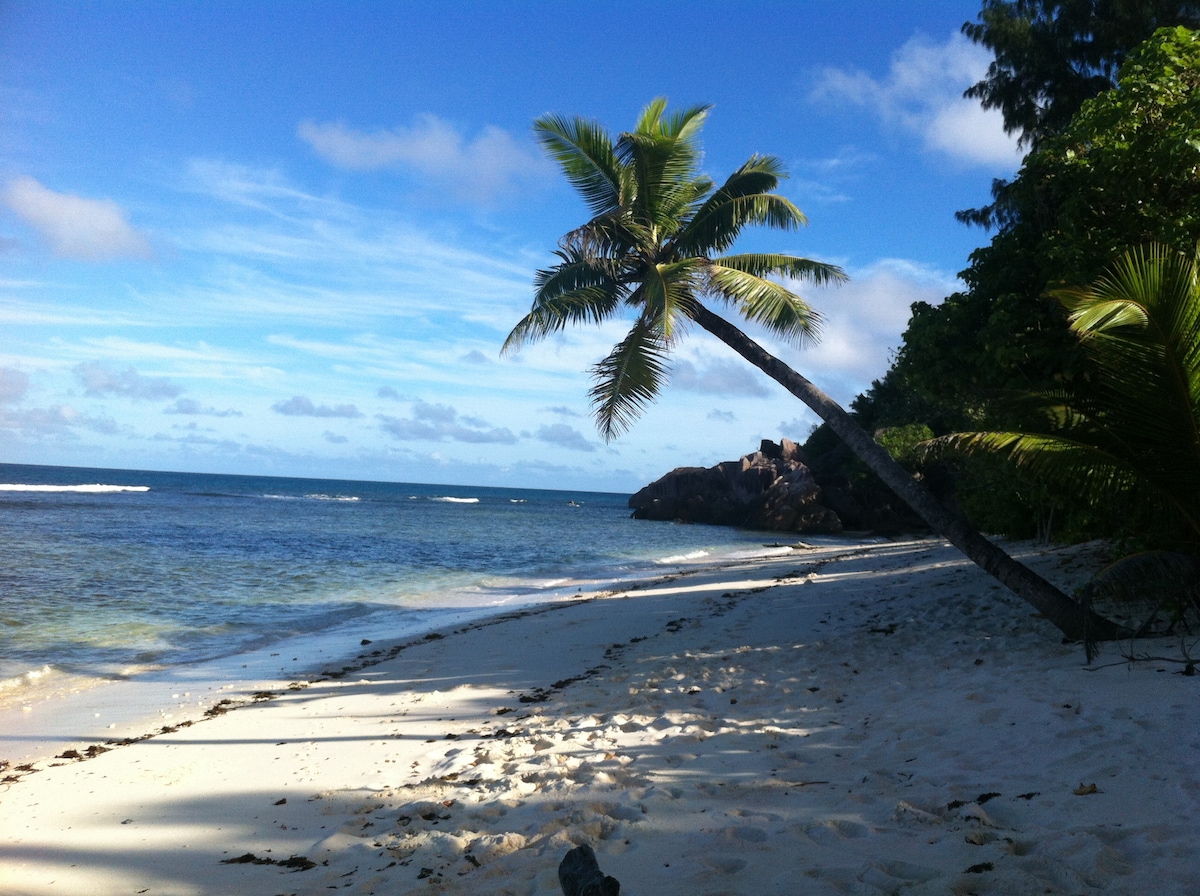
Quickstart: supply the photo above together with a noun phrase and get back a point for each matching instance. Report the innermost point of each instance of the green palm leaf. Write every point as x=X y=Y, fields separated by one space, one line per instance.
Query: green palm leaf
x=745 y=198
x=628 y=379
x=666 y=293
x=1092 y=472
x=656 y=225
x=774 y=306
x=608 y=240
x=572 y=292
x=664 y=170
x=1130 y=431
x=764 y=264
x=584 y=151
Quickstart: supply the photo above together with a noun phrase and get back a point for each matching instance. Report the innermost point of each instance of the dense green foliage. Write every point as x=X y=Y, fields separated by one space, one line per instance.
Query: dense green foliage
x=1053 y=55
x=1128 y=435
x=1124 y=172
x=656 y=245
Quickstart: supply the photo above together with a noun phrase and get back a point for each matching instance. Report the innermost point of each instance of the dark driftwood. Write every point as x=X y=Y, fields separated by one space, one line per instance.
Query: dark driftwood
x=579 y=874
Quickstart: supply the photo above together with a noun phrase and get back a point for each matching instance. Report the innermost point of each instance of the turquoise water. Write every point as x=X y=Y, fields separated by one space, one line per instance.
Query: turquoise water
x=102 y=571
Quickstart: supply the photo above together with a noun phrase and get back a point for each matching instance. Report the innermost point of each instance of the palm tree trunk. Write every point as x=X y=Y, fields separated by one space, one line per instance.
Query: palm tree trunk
x=1072 y=619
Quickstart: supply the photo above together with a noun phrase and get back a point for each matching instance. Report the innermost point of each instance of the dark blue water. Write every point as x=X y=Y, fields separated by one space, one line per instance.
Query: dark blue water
x=123 y=569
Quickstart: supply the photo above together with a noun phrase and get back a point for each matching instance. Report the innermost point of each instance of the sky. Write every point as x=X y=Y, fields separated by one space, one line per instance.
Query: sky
x=290 y=238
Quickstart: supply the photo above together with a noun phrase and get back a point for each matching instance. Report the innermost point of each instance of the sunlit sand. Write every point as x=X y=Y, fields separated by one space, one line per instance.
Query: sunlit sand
x=857 y=719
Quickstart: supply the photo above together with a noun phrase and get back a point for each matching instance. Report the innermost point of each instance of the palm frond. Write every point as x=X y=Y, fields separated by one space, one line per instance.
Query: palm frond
x=1140 y=325
x=744 y=199
x=666 y=173
x=763 y=264
x=665 y=294
x=1131 y=428
x=663 y=160
x=650 y=121
x=684 y=124
x=573 y=292
x=628 y=379
x=1085 y=469
x=585 y=153
x=612 y=237
x=766 y=302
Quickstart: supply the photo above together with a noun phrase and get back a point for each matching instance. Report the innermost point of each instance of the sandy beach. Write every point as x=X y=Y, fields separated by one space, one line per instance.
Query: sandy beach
x=851 y=719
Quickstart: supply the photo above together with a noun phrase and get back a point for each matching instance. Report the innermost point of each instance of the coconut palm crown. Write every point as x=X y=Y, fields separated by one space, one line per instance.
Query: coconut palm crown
x=656 y=245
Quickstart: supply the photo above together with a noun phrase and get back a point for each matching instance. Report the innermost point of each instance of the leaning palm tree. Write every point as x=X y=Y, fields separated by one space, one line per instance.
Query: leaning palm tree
x=1128 y=434
x=657 y=246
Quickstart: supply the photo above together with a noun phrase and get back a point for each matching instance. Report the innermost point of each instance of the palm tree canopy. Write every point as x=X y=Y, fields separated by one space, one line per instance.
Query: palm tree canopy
x=1131 y=431
x=656 y=245
x=659 y=242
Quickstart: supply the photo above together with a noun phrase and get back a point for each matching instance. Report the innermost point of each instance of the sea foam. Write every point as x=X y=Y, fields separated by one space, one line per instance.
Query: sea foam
x=95 y=488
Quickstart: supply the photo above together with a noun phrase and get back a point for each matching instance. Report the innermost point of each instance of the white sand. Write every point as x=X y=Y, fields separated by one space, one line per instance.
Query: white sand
x=863 y=720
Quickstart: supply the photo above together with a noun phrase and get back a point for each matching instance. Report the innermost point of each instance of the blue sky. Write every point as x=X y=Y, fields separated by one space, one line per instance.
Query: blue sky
x=290 y=238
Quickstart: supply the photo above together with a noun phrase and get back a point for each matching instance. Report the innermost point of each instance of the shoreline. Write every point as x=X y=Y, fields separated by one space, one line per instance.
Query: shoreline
x=858 y=718
x=77 y=711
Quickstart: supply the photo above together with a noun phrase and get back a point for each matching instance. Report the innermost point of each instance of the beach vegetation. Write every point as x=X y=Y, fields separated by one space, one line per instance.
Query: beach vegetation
x=1051 y=56
x=1126 y=436
x=657 y=247
x=1124 y=172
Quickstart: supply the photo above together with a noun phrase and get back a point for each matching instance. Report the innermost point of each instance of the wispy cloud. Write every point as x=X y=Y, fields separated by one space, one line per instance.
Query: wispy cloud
x=303 y=406
x=478 y=168
x=565 y=436
x=476 y=358
x=441 y=423
x=191 y=407
x=13 y=385
x=256 y=188
x=922 y=93
x=864 y=319
x=719 y=376
x=99 y=380
x=55 y=421
x=74 y=226
x=273 y=249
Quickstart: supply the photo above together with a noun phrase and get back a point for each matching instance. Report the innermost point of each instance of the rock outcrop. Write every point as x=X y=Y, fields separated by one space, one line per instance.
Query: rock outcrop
x=771 y=489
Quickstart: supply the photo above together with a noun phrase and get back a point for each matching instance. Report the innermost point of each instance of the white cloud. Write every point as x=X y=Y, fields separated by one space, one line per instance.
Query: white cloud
x=475 y=357
x=191 y=407
x=439 y=423
x=99 y=381
x=565 y=437
x=922 y=93
x=863 y=321
x=261 y=189
x=722 y=376
x=303 y=406
x=13 y=385
x=55 y=421
x=489 y=164
x=75 y=227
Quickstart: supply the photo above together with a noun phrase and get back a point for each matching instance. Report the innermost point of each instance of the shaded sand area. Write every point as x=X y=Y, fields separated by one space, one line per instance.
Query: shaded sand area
x=861 y=719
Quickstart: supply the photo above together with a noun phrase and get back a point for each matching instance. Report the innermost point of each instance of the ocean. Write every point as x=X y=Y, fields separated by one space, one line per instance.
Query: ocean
x=105 y=574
